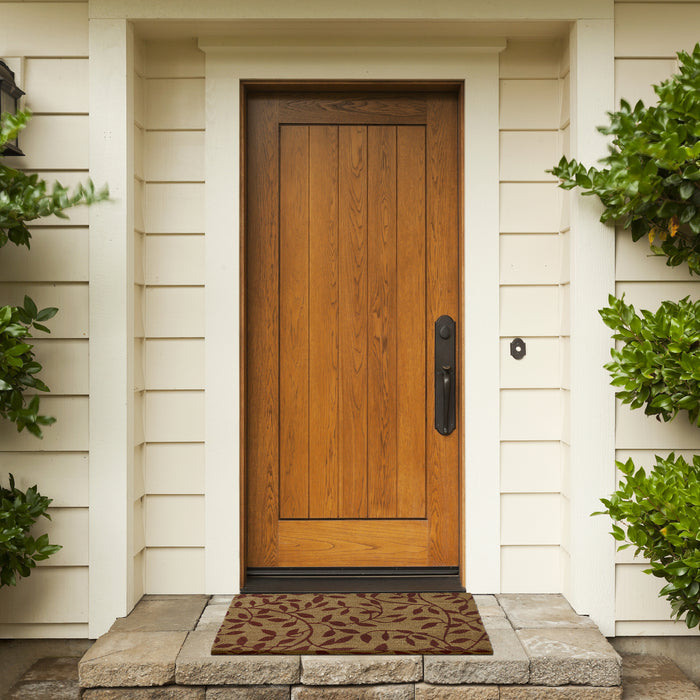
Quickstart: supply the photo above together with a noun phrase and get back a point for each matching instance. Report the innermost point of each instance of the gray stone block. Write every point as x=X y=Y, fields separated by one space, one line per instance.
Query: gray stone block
x=119 y=659
x=212 y=617
x=572 y=692
x=221 y=600
x=456 y=692
x=563 y=656
x=197 y=666
x=45 y=690
x=249 y=692
x=655 y=678
x=171 y=692
x=371 y=692
x=488 y=606
x=175 y=613
x=508 y=665
x=544 y=610
x=356 y=670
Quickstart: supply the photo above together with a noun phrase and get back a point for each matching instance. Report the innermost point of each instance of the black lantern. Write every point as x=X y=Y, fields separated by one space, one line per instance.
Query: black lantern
x=9 y=101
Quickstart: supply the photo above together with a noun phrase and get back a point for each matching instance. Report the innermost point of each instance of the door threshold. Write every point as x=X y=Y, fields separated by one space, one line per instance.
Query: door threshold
x=352 y=580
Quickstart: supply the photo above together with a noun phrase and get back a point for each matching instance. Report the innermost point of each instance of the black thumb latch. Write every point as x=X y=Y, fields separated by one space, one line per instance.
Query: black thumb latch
x=517 y=348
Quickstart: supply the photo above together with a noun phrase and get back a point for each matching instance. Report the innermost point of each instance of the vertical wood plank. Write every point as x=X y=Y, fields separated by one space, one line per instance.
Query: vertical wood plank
x=294 y=322
x=381 y=225
x=412 y=383
x=443 y=298
x=323 y=322
x=352 y=241
x=262 y=321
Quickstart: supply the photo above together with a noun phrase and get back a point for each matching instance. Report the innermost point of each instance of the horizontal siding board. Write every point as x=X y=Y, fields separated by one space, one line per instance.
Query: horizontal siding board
x=634 y=78
x=138 y=537
x=526 y=59
x=174 y=208
x=139 y=258
x=527 y=207
x=529 y=104
x=176 y=468
x=62 y=476
x=634 y=262
x=140 y=101
x=654 y=628
x=139 y=489
x=649 y=295
x=139 y=417
x=54 y=142
x=49 y=595
x=174 y=156
x=529 y=311
x=175 y=364
x=56 y=85
x=139 y=311
x=530 y=259
x=139 y=206
x=637 y=594
x=57 y=254
x=530 y=467
x=68 y=23
x=171 y=570
x=69 y=433
x=539 y=369
x=636 y=431
x=174 y=521
x=139 y=364
x=175 y=260
x=565 y=112
x=174 y=416
x=565 y=354
x=656 y=30
x=525 y=155
x=175 y=312
x=531 y=414
x=71 y=299
x=65 y=365
x=139 y=147
x=69 y=528
x=175 y=103
x=173 y=59
x=530 y=569
x=530 y=519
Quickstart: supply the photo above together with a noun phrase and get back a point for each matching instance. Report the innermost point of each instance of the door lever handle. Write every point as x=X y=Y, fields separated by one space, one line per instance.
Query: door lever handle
x=446 y=394
x=445 y=375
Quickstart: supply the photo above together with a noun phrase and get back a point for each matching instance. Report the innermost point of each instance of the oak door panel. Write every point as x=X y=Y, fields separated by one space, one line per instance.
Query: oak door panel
x=352 y=253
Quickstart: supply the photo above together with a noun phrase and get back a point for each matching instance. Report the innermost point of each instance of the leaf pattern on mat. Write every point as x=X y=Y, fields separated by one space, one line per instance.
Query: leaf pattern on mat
x=352 y=623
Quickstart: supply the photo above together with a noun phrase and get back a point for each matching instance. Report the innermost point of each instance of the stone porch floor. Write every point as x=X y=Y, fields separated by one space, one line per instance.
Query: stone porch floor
x=542 y=649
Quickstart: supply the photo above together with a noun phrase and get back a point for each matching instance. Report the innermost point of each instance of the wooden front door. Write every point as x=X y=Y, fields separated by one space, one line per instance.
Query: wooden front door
x=352 y=227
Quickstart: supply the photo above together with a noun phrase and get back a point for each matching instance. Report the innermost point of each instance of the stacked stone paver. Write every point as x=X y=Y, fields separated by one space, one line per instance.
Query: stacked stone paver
x=542 y=649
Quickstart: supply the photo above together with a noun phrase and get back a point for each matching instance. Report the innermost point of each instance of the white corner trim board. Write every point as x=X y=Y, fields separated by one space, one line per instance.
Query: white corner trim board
x=228 y=64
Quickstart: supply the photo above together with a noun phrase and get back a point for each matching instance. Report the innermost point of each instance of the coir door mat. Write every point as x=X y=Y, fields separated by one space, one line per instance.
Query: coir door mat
x=352 y=623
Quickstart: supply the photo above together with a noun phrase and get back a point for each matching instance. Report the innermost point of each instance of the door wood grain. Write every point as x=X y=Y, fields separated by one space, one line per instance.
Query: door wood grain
x=352 y=233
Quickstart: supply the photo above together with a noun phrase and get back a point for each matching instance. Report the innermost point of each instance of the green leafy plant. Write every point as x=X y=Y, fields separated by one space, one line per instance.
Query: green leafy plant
x=24 y=198
x=18 y=366
x=660 y=517
x=651 y=182
x=19 y=551
x=657 y=365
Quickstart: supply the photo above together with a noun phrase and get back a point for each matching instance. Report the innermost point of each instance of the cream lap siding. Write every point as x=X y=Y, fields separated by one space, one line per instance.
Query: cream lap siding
x=647 y=36
x=173 y=317
x=530 y=308
x=52 y=67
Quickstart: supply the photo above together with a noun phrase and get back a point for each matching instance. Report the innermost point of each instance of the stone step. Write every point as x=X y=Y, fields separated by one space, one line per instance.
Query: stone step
x=542 y=648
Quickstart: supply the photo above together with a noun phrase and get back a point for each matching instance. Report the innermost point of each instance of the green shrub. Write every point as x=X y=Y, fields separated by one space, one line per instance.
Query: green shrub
x=658 y=363
x=19 y=551
x=651 y=184
x=19 y=368
x=660 y=512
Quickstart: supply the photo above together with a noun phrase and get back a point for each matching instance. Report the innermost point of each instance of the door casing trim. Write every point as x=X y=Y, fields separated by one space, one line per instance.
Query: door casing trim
x=227 y=67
